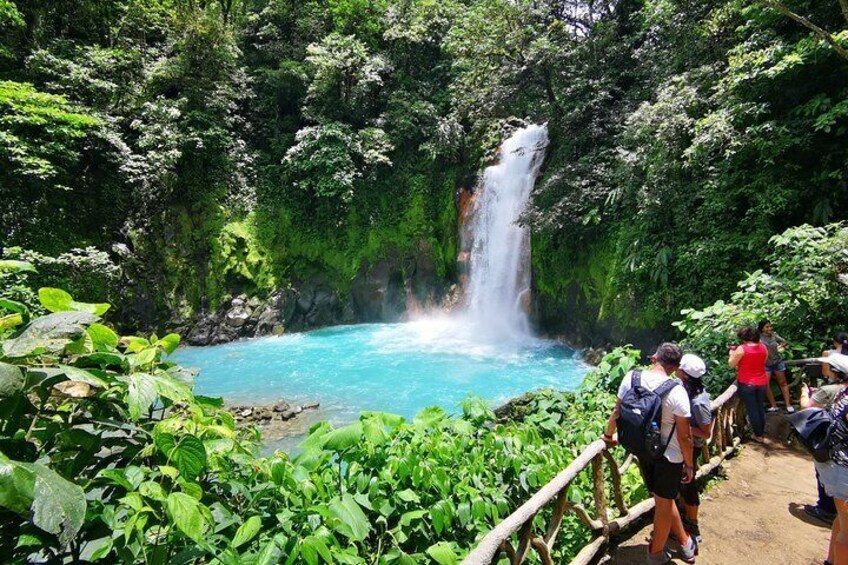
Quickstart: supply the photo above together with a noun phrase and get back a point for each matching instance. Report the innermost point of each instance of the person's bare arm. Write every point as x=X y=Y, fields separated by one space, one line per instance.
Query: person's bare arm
x=735 y=357
x=684 y=438
x=704 y=431
x=612 y=424
x=806 y=401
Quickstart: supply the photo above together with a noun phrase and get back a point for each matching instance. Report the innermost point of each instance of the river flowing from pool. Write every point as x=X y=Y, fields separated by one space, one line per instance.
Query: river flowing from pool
x=399 y=368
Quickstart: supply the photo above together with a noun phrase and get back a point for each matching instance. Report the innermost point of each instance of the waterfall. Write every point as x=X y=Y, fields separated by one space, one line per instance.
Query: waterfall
x=498 y=288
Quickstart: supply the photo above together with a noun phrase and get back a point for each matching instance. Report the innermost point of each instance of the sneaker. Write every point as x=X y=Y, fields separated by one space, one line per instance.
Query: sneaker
x=690 y=551
x=790 y=410
x=815 y=512
x=661 y=558
x=772 y=409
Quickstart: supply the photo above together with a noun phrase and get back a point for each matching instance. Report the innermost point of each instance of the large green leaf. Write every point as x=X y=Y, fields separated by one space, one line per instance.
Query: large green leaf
x=13 y=266
x=57 y=300
x=344 y=437
x=442 y=553
x=429 y=416
x=11 y=380
x=16 y=307
x=312 y=547
x=169 y=387
x=82 y=376
x=353 y=522
x=169 y=343
x=247 y=531
x=49 y=334
x=51 y=502
x=186 y=452
x=141 y=393
x=185 y=513
x=102 y=337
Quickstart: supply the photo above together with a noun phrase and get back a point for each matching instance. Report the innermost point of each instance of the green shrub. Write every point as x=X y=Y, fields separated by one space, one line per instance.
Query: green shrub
x=803 y=292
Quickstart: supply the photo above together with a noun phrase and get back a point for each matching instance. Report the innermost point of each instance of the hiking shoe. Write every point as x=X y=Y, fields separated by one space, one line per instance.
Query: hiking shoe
x=661 y=558
x=690 y=551
x=815 y=512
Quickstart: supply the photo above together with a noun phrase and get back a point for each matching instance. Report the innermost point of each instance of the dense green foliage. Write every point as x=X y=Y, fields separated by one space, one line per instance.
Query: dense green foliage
x=107 y=456
x=803 y=291
x=244 y=146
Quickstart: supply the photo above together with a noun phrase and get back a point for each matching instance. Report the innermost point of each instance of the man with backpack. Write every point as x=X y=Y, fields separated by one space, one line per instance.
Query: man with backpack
x=651 y=416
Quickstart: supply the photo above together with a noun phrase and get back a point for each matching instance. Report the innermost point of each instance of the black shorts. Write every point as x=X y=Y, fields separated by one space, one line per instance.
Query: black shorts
x=662 y=477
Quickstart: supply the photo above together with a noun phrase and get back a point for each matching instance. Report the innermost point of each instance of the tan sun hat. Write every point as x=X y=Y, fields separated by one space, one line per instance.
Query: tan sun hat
x=837 y=361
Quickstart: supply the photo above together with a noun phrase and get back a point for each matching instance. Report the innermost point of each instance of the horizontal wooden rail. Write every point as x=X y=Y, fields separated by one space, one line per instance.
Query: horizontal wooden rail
x=519 y=526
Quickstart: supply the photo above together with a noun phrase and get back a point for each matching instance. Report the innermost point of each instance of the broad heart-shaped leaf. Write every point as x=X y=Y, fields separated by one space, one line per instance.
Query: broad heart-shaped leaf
x=83 y=376
x=185 y=513
x=57 y=300
x=169 y=343
x=429 y=416
x=386 y=418
x=442 y=553
x=344 y=437
x=169 y=387
x=100 y=359
x=12 y=266
x=315 y=439
x=49 y=334
x=374 y=431
x=51 y=502
x=353 y=522
x=141 y=393
x=247 y=531
x=186 y=452
x=11 y=380
x=102 y=337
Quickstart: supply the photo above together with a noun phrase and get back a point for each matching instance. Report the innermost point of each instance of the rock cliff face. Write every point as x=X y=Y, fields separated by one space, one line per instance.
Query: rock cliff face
x=387 y=290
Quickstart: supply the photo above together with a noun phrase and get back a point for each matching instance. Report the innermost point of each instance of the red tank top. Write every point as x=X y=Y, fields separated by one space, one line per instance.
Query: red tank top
x=752 y=368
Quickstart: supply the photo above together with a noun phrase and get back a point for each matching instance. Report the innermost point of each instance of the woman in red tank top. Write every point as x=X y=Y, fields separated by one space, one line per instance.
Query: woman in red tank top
x=749 y=359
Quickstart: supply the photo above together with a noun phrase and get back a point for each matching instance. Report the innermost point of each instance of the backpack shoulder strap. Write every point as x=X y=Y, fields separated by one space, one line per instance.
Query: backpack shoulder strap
x=666 y=387
x=635 y=378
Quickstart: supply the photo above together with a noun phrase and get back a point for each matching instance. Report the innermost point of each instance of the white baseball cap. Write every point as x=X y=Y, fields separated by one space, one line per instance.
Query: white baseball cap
x=836 y=360
x=693 y=366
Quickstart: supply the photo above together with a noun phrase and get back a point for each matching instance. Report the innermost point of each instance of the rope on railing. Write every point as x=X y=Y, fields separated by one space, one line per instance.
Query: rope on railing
x=725 y=439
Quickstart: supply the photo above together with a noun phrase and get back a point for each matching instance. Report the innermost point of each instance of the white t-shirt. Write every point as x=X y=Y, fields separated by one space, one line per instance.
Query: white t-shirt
x=675 y=403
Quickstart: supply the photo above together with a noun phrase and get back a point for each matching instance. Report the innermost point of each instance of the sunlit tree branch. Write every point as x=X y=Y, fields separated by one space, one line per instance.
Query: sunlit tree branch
x=823 y=34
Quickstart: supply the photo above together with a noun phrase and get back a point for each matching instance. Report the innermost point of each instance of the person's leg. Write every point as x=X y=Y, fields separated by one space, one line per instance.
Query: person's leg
x=663 y=517
x=839 y=538
x=677 y=526
x=750 y=398
x=780 y=376
x=769 y=394
x=760 y=398
x=834 y=532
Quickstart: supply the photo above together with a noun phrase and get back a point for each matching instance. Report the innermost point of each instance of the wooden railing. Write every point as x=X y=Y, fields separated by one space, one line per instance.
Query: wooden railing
x=520 y=526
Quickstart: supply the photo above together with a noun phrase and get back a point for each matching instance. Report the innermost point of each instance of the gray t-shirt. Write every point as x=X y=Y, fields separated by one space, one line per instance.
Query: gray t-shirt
x=771 y=343
x=824 y=395
x=702 y=414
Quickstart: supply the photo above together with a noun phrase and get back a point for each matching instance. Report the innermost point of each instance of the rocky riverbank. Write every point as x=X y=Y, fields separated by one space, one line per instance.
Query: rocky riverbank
x=262 y=415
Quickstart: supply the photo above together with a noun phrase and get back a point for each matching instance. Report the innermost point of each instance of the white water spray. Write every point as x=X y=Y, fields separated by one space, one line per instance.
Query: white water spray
x=498 y=291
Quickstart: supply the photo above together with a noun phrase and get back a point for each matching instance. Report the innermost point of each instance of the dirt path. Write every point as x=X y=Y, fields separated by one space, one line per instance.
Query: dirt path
x=756 y=516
